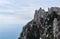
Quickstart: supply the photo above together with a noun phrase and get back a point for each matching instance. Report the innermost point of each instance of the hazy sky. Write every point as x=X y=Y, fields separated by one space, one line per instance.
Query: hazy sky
x=22 y=11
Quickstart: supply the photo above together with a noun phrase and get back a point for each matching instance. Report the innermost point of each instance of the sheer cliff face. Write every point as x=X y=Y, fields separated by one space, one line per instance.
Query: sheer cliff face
x=45 y=25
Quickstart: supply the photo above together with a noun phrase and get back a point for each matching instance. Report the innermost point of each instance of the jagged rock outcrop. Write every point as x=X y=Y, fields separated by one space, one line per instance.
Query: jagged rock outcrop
x=44 y=25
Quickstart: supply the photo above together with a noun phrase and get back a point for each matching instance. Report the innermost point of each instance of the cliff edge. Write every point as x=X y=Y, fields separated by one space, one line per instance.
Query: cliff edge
x=44 y=25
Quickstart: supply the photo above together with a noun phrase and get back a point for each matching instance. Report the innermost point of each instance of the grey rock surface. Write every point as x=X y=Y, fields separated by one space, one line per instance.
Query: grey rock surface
x=44 y=25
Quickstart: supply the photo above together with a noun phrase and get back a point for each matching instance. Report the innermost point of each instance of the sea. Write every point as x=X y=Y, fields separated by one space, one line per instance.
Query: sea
x=10 y=31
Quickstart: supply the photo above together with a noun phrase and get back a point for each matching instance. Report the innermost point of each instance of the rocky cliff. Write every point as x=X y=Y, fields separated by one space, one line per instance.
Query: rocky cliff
x=44 y=25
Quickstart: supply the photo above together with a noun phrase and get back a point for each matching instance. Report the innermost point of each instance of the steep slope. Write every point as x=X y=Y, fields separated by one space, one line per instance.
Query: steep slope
x=45 y=25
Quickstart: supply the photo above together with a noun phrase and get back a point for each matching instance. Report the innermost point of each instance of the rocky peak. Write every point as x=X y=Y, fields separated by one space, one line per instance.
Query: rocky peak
x=45 y=25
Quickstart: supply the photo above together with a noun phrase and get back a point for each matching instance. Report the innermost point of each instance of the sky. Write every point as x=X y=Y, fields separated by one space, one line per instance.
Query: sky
x=19 y=11
x=14 y=14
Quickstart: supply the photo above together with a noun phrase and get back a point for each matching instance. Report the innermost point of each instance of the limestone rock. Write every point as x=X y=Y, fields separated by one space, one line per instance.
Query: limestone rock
x=45 y=25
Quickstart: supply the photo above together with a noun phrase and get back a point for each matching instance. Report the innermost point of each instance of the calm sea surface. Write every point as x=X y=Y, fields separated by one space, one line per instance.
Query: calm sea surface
x=10 y=31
